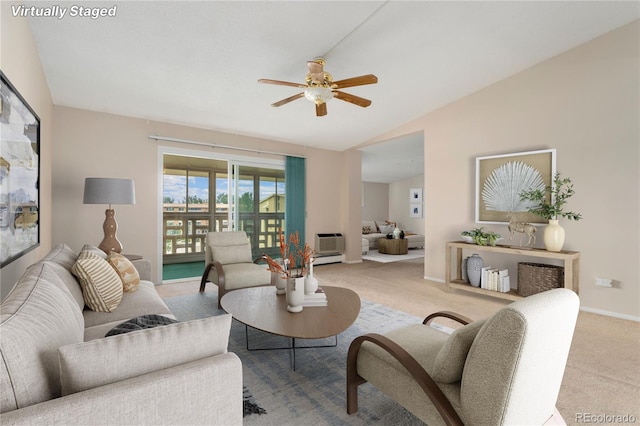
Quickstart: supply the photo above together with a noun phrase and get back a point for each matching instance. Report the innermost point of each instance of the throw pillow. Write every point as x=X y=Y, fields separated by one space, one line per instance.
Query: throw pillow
x=125 y=269
x=366 y=230
x=95 y=250
x=386 y=229
x=101 y=284
x=140 y=323
x=449 y=362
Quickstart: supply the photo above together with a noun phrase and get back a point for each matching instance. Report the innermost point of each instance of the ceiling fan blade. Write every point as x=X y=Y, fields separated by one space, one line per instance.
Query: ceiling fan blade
x=282 y=83
x=321 y=109
x=356 y=100
x=355 y=81
x=287 y=100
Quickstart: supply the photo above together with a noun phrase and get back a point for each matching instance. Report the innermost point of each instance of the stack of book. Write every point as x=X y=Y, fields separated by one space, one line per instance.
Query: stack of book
x=319 y=298
x=495 y=280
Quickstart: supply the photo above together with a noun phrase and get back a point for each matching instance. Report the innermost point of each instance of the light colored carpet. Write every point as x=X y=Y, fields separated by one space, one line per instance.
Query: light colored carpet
x=374 y=256
x=603 y=371
x=315 y=392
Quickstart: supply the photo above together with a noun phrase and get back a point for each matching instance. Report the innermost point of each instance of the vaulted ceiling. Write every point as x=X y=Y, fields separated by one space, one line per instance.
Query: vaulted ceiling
x=198 y=63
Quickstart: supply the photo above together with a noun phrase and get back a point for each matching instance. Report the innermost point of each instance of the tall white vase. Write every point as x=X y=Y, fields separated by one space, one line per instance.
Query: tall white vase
x=553 y=236
x=310 y=282
x=295 y=294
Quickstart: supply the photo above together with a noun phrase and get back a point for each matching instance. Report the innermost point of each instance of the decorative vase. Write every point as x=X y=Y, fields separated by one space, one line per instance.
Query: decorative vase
x=465 y=278
x=396 y=233
x=279 y=282
x=474 y=269
x=310 y=282
x=402 y=235
x=295 y=294
x=553 y=236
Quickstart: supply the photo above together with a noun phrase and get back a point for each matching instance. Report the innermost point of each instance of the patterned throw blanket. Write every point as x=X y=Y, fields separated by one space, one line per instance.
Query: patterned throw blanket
x=150 y=321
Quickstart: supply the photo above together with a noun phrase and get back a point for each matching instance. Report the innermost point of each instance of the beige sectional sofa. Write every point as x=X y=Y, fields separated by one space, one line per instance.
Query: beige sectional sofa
x=373 y=230
x=57 y=368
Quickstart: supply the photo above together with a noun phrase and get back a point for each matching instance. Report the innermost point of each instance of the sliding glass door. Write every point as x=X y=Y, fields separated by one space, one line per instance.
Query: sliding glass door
x=202 y=195
x=259 y=201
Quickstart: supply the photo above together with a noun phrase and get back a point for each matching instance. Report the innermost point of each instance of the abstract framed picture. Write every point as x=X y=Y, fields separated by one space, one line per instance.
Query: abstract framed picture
x=415 y=195
x=501 y=178
x=19 y=175
x=415 y=210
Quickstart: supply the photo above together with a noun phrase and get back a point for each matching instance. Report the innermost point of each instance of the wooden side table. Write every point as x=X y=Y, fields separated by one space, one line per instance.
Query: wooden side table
x=393 y=246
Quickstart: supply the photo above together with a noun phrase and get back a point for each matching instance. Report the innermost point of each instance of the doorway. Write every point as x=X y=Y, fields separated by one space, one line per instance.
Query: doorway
x=202 y=195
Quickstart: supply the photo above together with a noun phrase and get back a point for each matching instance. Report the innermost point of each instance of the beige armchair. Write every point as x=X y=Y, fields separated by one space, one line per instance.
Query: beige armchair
x=504 y=370
x=229 y=264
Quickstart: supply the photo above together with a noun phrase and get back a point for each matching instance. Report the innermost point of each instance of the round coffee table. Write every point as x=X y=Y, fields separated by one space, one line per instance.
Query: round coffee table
x=262 y=309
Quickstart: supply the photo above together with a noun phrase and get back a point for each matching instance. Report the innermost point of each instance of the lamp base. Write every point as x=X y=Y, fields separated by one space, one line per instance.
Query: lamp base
x=110 y=226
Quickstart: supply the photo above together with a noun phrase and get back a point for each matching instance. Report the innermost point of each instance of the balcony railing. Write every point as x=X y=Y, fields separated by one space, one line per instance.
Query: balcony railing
x=184 y=233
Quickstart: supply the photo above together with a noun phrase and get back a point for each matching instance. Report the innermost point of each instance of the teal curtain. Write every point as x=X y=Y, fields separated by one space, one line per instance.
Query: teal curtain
x=295 y=206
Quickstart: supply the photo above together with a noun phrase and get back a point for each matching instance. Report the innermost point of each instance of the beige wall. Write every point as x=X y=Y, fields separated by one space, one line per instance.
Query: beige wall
x=104 y=145
x=20 y=63
x=376 y=201
x=399 y=204
x=584 y=103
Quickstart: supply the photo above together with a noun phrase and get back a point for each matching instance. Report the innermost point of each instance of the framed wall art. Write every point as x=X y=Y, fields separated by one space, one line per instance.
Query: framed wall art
x=19 y=175
x=415 y=210
x=415 y=195
x=501 y=178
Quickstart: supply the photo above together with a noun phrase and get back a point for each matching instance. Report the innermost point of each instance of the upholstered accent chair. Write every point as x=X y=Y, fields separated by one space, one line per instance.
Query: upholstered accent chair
x=504 y=370
x=229 y=264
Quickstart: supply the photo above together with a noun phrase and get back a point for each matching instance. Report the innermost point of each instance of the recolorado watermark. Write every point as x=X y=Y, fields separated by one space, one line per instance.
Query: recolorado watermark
x=605 y=418
x=60 y=12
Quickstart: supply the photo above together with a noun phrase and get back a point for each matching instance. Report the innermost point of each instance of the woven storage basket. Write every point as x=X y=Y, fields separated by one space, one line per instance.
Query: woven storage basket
x=538 y=277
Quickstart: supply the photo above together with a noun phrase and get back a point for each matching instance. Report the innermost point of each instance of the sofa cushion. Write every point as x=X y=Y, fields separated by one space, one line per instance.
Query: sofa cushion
x=143 y=301
x=101 y=284
x=125 y=269
x=449 y=362
x=37 y=317
x=103 y=361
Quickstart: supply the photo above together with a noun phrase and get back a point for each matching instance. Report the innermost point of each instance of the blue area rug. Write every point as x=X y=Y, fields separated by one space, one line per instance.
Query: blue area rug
x=315 y=392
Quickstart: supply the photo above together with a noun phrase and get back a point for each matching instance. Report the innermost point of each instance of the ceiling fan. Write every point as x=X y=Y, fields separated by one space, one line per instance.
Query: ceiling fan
x=320 y=87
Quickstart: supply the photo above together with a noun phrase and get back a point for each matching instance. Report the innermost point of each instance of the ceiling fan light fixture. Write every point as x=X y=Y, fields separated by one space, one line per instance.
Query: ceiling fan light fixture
x=318 y=94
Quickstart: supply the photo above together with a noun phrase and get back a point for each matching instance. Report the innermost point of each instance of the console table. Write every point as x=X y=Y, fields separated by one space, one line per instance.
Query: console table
x=571 y=260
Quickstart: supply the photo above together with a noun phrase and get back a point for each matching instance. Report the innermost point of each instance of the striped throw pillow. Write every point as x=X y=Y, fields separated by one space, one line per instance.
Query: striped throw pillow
x=125 y=269
x=101 y=284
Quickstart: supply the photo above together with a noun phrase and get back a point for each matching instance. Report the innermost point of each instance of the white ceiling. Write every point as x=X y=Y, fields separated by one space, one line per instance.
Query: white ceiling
x=197 y=63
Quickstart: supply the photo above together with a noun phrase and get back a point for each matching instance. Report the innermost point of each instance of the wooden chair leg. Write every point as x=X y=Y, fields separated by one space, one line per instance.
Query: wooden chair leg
x=205 y=276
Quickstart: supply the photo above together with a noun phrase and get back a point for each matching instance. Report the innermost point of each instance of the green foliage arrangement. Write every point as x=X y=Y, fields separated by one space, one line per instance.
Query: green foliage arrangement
x=552 y=199
x=482 y=238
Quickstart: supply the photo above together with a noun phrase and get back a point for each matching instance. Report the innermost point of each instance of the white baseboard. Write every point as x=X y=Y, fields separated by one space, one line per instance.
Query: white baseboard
x=321 y=260
x=610 y=314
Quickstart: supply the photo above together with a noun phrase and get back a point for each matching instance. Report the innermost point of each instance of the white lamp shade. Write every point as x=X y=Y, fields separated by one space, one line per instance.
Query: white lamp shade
x=109 y=191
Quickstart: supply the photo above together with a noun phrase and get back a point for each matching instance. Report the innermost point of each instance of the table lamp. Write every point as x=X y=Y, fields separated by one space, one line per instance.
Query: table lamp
x=109 y=191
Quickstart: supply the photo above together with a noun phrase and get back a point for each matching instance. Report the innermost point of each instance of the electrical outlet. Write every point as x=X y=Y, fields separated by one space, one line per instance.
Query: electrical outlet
x=604 y=282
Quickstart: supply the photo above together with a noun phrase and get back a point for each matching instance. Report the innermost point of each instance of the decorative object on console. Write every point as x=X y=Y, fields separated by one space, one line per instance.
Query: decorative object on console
x=501 y=178
x=550 y=202
x=474 y=269
x=19 y=175
x=109 y=191
x=480 y=237
x=521 y=228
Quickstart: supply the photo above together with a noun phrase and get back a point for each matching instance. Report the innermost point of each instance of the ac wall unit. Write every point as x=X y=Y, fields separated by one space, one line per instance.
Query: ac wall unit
x=327 y=244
